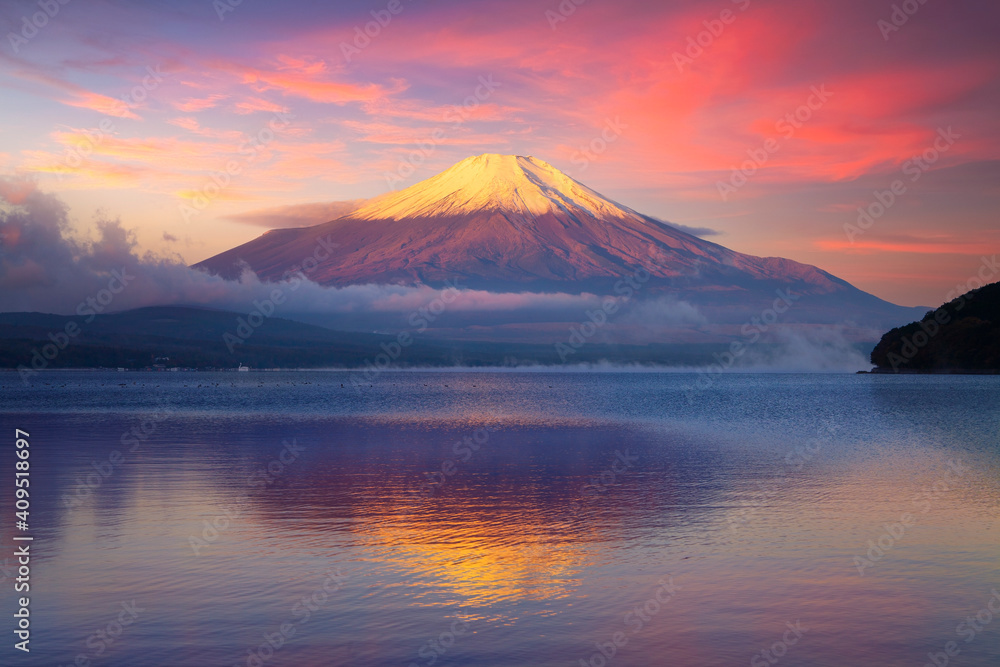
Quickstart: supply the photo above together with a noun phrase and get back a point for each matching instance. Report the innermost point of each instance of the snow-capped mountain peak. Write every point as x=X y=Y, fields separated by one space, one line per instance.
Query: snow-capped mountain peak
x=510 y=184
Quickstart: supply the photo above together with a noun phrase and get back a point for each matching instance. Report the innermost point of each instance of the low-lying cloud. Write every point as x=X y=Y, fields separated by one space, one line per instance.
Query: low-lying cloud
x=816 y=350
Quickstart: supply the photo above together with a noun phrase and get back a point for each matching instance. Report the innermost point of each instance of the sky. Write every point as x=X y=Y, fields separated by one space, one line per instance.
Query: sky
x=198 y=124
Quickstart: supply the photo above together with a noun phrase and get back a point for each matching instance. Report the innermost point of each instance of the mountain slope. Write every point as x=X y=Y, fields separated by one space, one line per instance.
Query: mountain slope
x=515 y=224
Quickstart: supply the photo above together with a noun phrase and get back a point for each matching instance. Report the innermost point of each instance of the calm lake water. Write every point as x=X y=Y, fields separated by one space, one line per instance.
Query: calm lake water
x=505 y=519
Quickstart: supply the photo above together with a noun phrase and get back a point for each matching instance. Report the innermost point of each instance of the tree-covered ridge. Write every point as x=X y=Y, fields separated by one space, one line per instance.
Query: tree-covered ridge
x=961 y=335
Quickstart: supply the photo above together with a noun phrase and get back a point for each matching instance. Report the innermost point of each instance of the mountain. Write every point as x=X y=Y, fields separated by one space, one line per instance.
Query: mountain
x=963 y=335
x=517 y=224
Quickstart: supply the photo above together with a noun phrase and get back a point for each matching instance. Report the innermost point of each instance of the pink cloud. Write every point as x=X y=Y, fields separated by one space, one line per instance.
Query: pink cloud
x=192 y=125
x=195 y=104
x=254 y=104
x=311 y=82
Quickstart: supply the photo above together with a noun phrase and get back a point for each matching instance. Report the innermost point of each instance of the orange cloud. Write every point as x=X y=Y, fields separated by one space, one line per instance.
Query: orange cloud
x=310 y=82
x=79 y=96
x=91 y=173
x=254 y=104
x=195 y=104
x=102 y=104
x=192 y=125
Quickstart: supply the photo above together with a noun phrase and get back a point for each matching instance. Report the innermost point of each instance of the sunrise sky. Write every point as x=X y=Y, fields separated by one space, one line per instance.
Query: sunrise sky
x=598 y=90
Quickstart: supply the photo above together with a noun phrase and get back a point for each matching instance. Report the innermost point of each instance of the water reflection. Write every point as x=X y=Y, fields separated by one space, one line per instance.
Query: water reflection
x=540 y=539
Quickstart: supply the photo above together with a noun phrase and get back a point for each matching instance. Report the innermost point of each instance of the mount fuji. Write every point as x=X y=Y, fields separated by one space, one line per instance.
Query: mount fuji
x=503 y=223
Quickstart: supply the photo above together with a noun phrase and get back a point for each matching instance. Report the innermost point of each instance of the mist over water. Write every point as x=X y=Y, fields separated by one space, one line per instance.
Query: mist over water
x=508 y=518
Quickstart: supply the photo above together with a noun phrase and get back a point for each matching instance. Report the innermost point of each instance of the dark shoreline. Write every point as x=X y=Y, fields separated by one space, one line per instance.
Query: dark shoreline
x=917 y=371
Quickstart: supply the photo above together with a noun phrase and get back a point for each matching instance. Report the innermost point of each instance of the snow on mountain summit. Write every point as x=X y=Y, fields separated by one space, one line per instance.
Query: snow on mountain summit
x=511 y=184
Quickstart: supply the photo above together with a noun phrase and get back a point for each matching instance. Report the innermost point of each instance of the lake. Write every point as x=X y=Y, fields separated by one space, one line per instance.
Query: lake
x=505 y=519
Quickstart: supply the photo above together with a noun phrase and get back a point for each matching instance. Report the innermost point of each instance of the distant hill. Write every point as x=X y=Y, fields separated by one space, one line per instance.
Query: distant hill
x=179 y=336
x=961 y=336
x=174 y=336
